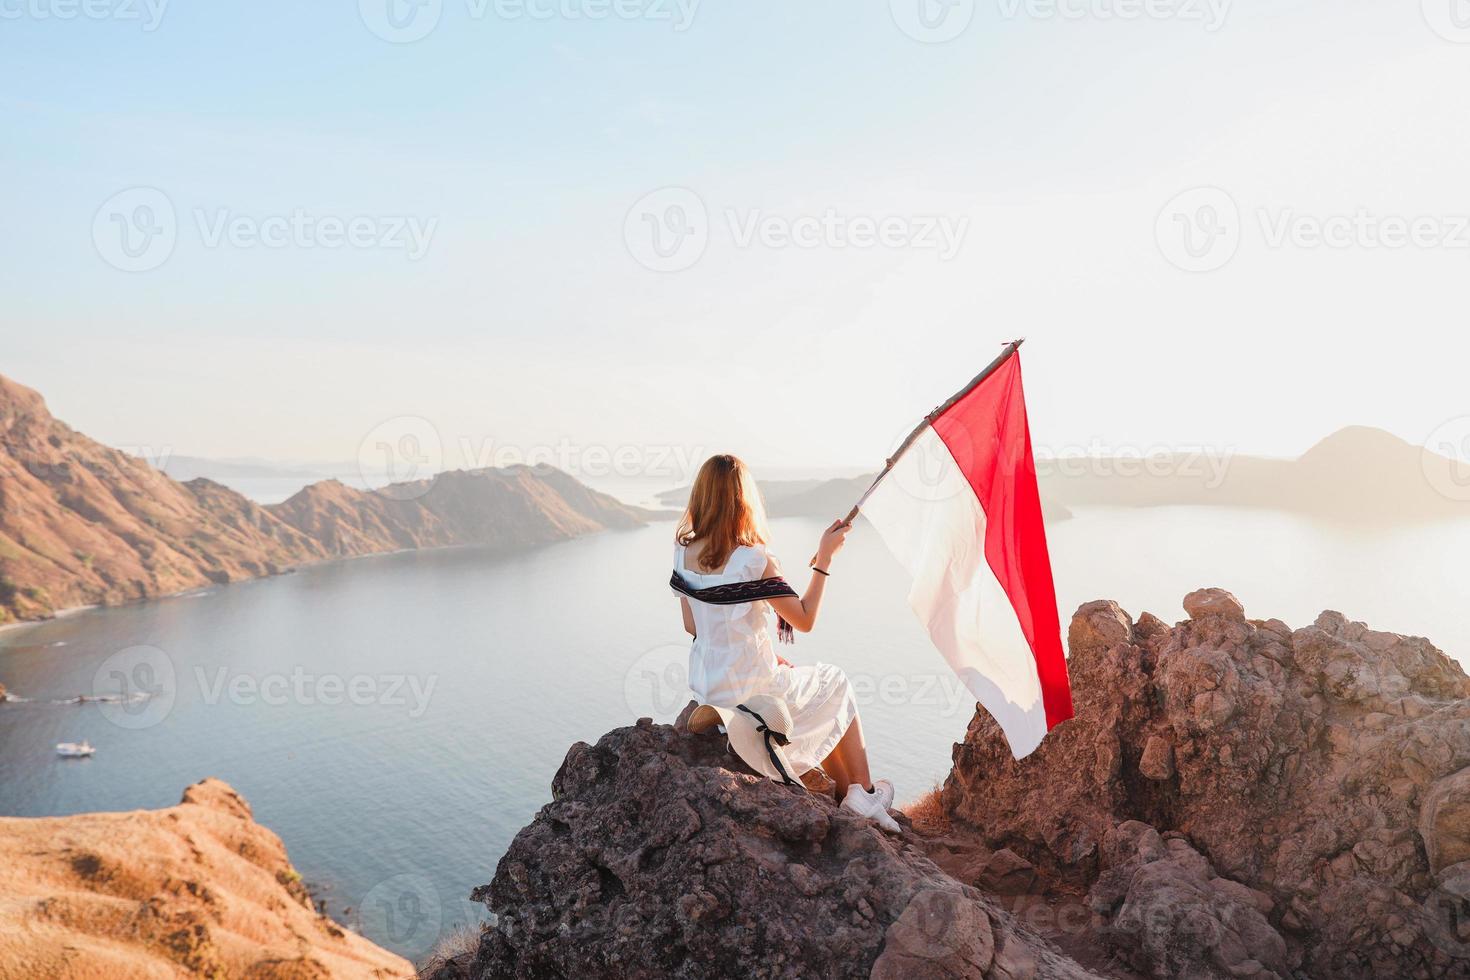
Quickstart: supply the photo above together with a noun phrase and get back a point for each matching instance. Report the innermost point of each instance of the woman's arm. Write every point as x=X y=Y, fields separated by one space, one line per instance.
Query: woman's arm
x=688 y=616
x=802 y=613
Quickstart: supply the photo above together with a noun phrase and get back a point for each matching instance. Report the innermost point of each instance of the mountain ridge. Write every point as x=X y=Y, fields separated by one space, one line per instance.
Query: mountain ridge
x=84 y=524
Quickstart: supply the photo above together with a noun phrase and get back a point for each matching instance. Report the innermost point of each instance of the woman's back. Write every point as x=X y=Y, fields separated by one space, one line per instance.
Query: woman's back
x=732 y=655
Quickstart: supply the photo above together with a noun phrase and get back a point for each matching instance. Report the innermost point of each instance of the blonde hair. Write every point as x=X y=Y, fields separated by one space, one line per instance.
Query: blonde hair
x=725 y=511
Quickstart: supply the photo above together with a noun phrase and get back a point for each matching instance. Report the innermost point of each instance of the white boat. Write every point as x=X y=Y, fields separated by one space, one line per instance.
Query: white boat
x=74 y=750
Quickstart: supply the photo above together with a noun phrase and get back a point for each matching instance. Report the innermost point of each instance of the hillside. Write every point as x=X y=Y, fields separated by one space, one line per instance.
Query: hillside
x=83 y=524
x=513 y=507
x=197 y=889
x=1356 y=474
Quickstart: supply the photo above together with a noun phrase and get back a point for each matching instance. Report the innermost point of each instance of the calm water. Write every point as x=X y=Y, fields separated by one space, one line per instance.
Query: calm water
x=397 y=719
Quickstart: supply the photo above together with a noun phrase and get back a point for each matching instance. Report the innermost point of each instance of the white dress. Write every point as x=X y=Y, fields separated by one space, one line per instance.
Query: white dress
x=733 y=658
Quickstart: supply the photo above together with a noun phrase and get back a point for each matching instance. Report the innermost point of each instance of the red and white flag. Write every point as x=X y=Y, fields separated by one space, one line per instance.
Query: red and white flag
x=960 y=510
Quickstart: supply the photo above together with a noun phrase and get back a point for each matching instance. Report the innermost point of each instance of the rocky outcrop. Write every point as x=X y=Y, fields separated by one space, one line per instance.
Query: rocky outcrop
x=661 y=857
x=1244 y=799
x=83 y=524
x=197 y=889
x=1233 y=799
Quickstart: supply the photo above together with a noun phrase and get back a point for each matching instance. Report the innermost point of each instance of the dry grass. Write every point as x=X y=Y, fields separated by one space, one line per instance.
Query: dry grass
x=461 y=941
x=927 y=813
x=195 y=888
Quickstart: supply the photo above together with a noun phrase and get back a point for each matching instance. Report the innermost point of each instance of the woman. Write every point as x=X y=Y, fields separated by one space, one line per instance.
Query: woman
x=721 y=542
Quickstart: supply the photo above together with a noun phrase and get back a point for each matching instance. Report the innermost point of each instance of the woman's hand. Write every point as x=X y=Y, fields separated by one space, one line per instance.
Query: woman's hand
x=782 y=661
x=832 y=541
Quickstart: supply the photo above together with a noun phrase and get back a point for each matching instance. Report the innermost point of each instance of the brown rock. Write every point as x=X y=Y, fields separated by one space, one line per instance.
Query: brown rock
x=939 y=934
x=1006 y=873
x=1444 y=821
x=1100 y=625
x=1157 y=762
x=1299 y=763
x=1213 y=602
x=656 y=860
x=1171 y=916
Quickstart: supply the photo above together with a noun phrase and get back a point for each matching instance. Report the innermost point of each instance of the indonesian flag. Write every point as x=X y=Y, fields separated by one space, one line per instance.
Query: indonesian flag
x=960 y=510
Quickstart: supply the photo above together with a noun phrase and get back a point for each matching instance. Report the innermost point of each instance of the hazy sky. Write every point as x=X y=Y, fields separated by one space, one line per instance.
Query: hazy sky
x=519 y=277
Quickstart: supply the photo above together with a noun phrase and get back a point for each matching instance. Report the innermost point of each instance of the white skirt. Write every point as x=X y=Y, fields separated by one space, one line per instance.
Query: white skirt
x=822 y=707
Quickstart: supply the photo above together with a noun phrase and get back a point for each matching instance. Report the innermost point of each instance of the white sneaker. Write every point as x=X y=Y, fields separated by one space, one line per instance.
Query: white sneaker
x=869 y=805
x=884 y=789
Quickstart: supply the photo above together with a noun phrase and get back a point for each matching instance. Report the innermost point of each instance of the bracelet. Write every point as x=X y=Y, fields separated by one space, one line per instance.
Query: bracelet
x=820 y=572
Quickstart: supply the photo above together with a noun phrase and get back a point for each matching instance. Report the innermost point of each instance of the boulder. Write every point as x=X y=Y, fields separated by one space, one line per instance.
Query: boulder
x=1157 y=762
x=658 y=858
x=1006 y=873
x=1213 y=602
x=1170 y=915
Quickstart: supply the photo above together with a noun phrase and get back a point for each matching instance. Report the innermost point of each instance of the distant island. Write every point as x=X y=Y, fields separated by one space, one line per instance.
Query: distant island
x=1358 y=474
x=84 y=524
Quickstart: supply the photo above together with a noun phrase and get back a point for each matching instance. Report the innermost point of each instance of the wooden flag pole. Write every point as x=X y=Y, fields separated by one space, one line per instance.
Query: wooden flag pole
x=990 y=369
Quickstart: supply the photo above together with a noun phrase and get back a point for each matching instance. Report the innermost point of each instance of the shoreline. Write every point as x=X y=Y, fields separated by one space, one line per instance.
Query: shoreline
x=70 y=611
